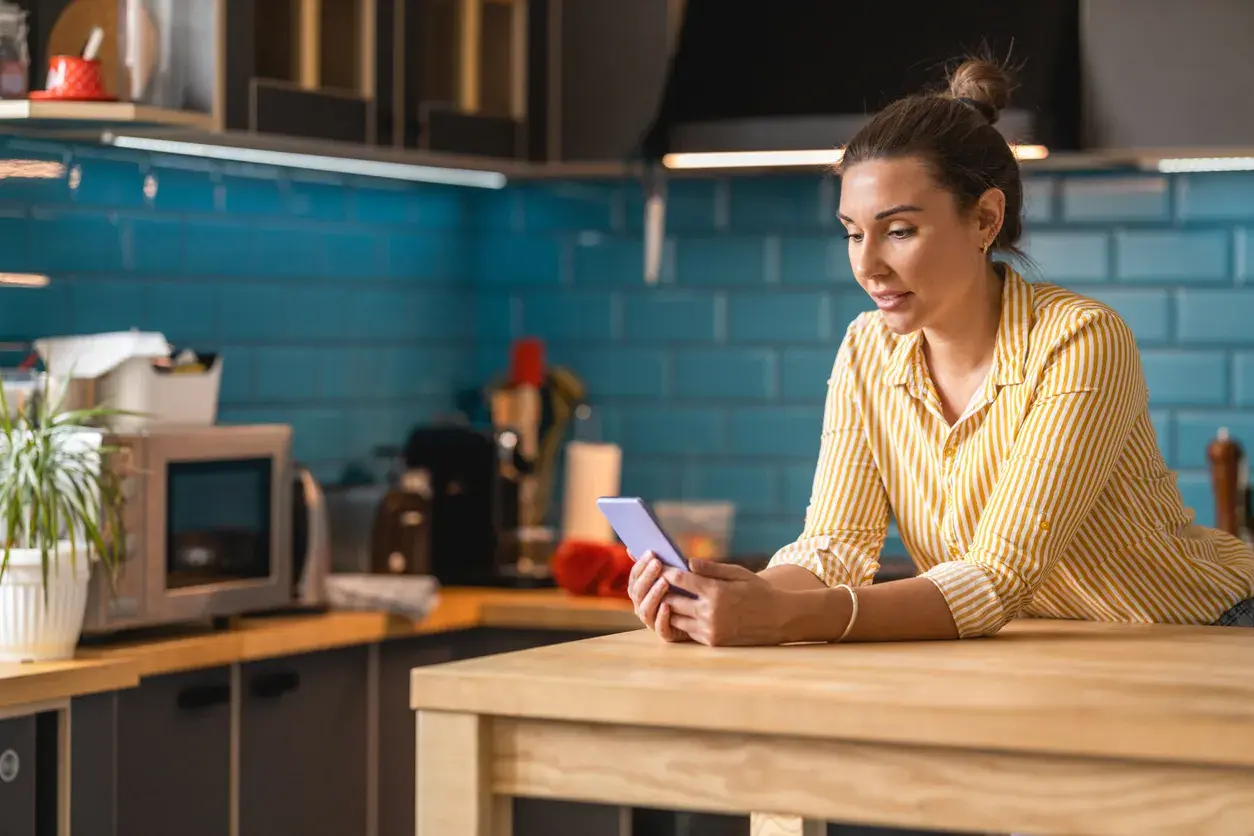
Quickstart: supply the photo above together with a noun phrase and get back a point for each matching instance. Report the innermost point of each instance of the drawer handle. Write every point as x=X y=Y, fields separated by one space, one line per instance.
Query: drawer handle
x=271 y=685
x=195 y=697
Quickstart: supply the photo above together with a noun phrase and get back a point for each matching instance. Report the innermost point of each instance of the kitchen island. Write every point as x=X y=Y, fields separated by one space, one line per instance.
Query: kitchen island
x=1050 y=727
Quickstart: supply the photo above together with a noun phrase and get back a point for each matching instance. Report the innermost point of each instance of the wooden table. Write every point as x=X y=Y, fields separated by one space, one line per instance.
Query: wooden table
x=1051 y=727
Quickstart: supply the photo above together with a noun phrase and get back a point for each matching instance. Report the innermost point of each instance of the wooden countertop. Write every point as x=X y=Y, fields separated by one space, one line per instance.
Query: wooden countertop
x=1135 y=691
x=121 y=664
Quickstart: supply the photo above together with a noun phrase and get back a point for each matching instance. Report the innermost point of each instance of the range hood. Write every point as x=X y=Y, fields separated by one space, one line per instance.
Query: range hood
x=802 y=76
x=1151 y=84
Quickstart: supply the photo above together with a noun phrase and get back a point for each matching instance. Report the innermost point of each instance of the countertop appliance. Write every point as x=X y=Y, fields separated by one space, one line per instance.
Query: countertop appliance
x=208 y=527
x=311 y=540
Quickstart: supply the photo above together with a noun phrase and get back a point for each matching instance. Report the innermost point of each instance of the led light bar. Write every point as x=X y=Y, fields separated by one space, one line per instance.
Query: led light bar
x=811 y=157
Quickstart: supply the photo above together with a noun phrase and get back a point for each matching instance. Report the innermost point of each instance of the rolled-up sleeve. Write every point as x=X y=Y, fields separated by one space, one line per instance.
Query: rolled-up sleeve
x=846 y=521
x=1082 y=411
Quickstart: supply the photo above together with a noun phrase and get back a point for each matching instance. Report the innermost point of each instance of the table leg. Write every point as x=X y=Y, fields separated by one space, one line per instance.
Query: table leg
x=770 y=824
x=454 y=787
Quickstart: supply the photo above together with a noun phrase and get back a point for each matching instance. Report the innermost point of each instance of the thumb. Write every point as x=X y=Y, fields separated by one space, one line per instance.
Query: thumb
x=718 y=569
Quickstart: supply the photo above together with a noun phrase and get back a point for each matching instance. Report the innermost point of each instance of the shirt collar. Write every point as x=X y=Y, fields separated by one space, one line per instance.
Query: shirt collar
x=1010 y=353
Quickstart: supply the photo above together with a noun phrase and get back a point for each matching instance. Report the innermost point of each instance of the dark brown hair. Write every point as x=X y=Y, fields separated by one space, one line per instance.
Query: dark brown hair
x=952 y=131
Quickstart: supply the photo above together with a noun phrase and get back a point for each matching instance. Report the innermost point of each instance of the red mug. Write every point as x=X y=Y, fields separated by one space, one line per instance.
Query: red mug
x=71 y=77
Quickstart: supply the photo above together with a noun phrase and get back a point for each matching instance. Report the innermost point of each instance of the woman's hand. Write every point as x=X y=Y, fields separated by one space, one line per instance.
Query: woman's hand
x=648 y=591
x=733 y=605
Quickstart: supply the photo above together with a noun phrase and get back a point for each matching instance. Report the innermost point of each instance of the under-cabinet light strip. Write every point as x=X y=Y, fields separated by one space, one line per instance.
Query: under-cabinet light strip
x=1174 y=165
x=804 y=157
x=315 y=162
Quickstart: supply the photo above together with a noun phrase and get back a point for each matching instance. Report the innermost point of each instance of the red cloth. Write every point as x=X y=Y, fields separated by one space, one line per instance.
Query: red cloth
x=582 y=567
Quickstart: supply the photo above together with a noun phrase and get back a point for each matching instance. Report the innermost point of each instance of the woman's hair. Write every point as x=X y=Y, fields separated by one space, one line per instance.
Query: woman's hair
x=952 y=131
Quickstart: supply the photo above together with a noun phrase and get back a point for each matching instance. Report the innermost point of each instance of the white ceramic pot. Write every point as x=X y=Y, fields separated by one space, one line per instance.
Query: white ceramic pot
x=33 y=629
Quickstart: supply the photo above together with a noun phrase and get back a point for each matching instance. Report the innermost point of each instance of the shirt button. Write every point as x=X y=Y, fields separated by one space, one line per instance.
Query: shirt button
x=1043 y=525
x=949 y=451
x=954 y=551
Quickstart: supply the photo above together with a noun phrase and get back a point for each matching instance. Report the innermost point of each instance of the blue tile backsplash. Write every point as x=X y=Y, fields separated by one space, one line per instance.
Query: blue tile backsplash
x=355 y=308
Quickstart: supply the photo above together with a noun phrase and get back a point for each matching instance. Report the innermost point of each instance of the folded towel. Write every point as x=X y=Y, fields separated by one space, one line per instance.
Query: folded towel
x=583 y=567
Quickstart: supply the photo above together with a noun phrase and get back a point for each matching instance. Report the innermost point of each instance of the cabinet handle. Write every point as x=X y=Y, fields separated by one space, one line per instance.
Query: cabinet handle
x=271 y=685
x=203 y=696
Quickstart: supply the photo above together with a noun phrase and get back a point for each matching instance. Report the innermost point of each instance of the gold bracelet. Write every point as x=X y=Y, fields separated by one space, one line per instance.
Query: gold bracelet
x=853 y=616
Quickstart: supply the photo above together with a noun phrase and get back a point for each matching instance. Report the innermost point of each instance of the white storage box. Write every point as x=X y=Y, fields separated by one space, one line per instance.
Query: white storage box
x=127 y=372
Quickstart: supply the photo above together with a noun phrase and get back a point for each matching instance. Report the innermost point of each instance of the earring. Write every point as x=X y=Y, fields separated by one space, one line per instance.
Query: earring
x=984 y=249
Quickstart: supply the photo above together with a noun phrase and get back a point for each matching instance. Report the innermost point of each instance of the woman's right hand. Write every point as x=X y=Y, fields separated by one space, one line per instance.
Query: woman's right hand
x=648 y=590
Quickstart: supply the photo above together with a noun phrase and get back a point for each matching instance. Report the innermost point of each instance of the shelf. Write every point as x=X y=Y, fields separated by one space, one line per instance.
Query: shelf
x=71 y=115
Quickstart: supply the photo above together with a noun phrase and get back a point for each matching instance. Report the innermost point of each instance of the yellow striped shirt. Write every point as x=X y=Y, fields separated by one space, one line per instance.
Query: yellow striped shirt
x=1049 y=497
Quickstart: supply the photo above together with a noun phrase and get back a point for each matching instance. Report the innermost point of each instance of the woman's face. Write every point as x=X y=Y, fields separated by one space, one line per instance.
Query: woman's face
x=918 y=257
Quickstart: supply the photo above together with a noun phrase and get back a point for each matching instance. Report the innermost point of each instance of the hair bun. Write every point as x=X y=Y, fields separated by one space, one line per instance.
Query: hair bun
x=982 y=82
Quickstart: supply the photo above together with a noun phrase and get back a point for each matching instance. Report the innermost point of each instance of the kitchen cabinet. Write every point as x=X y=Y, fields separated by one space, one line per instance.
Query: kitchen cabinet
x=93 y=777
x=173 y=741
x=18 y=788
x=303 y=761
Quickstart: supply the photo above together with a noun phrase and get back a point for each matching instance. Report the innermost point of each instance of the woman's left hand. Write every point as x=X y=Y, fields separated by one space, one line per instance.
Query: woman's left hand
x=734 y=606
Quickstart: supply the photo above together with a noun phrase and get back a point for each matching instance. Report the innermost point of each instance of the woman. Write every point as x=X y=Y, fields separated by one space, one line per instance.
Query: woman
x=1005 y=424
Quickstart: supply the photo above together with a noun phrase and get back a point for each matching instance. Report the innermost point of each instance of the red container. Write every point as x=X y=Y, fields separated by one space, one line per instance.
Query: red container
x=73 y=78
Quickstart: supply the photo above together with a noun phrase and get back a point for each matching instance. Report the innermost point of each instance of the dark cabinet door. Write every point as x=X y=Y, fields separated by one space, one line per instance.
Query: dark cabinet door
x=303 y=753
x=18 y=788
x=174 y=755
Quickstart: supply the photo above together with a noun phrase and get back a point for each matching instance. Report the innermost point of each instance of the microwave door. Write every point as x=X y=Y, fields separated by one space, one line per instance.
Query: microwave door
x=221 y=521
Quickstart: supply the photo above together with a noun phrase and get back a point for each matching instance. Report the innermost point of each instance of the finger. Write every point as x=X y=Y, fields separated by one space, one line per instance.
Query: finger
x=688 y=581
x=682 y=604
x=651 y=602
x=644 y=582
x=665 y=628
x=719 y=569
x=690 y=626
x=637 y=566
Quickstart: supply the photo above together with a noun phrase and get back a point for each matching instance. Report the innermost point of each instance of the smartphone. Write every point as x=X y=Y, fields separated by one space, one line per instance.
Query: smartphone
x=639 y=530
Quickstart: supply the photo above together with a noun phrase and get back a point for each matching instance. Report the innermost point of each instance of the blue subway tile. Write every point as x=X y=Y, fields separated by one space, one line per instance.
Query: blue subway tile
x=154 y=246
x=391 y=314
x=776 y=431
x=1243 y=379
x=183 y=312
x=519 y=260
x=652 y=479
x=804 y=373
x=569 y=315
x=1199 y=495
x=1147 y=312
x=1038 y=199
x=691 y=205
x=720 y=261
x=344 y=372
x=733 y=373
x=616 y=372
x=433 y=370
x=1069 y=256
x=236 y=386
x=672 y=316
x=754 y=488
x=497 y=211
x=779 y=317
x=15 y=251
x=30 y=313
x=762 y=537
x=798 y=484
x=324 y=201
x=1195 y=430
x=319 y=433
x=600 y=260
x=1216 y=196
x=252 y=196
x=814 y=260
x=431 y=257
x=273 y=313
x=490 y=358
x=286 y=374
x=778 y=203
x=373 y=426
x=571 y=205
x=1172 y=255
x=112 y=183
x=184 y=191
x=289 y=252
x=497 y=316
x=352 y=254
x=1186 y=378
x=659 y=429
x=846 y=308
x=1106 y=199
x=108 y=305
x=1215 y=316
x=218 y=248
x=78 y=242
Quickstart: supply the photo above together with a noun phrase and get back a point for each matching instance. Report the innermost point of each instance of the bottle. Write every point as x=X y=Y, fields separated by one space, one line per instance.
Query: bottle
x=1226 y=462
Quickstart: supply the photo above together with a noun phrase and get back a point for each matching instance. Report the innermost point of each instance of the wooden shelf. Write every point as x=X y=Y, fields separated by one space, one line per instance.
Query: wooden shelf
x=68 y=115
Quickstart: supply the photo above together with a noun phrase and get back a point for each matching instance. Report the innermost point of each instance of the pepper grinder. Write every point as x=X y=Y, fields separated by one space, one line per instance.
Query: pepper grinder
x=1226 y=457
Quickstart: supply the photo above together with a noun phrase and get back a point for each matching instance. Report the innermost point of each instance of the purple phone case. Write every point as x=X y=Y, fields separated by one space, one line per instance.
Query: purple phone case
x=639 y=530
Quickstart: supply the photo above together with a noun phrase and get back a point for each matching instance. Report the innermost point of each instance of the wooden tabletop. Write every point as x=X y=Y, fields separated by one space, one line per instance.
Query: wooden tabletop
x=32 y=684
x=1139 y=691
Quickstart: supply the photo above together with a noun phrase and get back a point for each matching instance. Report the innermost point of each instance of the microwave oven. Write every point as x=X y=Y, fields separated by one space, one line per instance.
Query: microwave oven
x=207 y=522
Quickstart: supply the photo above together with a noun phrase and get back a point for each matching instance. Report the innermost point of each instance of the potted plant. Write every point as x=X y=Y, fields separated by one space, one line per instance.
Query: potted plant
x=58 y=505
